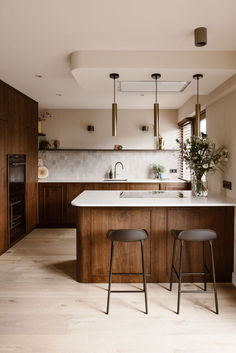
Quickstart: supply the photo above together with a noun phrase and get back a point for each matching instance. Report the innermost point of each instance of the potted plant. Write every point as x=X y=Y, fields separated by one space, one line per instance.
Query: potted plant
x=201 y=156
x=158 y=171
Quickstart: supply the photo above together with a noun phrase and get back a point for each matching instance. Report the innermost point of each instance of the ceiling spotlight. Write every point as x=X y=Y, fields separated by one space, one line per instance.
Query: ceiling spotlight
x=59 y=94
x=200 y=37
x=38 y=76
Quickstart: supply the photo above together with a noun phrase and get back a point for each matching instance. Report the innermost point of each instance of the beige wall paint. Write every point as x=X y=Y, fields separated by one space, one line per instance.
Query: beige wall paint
x=188 y=108
x=70 y=127
x=221 y=127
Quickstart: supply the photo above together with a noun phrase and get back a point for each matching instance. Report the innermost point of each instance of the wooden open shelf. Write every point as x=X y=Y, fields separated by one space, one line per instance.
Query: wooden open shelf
x=109 y=150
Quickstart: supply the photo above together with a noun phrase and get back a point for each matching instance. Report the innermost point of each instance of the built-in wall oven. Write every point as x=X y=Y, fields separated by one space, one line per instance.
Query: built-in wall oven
x=16 y=189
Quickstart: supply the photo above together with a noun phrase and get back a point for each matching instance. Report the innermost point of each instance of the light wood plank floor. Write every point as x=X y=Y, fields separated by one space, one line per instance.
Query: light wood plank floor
x=44 y=310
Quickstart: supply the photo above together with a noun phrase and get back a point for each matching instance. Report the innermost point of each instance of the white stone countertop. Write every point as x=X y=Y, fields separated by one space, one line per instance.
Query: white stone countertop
x=63 y=180
x=150 y=199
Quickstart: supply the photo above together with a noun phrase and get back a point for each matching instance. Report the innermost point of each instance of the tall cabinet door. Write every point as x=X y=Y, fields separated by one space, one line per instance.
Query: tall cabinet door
x=3 y=101
x=3 y=211
x=3 y=187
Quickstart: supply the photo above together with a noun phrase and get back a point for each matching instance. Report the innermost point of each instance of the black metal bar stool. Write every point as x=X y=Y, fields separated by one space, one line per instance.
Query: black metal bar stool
x=127 y=235
x=193 y=235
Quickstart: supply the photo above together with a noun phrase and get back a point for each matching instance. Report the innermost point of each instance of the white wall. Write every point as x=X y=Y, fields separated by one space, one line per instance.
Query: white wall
x=70 y=127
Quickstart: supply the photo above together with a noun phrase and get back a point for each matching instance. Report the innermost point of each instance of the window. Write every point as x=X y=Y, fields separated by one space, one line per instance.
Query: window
x=186 y=131
x=203 y=123
x=186 y=127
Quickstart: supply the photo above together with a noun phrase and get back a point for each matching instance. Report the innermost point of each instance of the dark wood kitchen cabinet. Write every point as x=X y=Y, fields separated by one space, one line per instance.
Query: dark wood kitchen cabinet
x=18 y=135
x=52 y=204
x=3 y=210
x=175 y=186
x=55 y=208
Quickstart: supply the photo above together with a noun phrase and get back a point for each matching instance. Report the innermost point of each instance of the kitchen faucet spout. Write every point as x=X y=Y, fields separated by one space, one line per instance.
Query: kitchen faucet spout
x=116 y=166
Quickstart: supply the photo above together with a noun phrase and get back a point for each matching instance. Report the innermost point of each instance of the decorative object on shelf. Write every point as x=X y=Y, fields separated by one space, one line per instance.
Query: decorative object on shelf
x=44 y=145
x=145 y=128
x=158 y=171
x=200 y=37
x=42 y=117
x=56 y=144
x=39 y=127
x=160 y=143
x=90 y=127
x=114 y=76
x=197 y=107
x=42 y=170
x=118 y=147
x=201 y=156
x=156 y=76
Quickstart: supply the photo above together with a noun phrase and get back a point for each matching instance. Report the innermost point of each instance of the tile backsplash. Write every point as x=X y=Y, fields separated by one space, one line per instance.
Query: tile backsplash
x=96 y=164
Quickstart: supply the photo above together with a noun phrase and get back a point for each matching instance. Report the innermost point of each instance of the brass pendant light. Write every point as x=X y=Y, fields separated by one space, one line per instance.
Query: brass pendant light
x=197 y=107
x=114 y=76
x=156 y=107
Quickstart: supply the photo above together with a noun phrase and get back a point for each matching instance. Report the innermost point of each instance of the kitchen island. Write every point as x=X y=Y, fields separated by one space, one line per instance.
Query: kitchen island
x=158 y=212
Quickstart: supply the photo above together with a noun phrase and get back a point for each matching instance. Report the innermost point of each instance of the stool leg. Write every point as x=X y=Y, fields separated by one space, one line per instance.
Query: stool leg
x=214 y=277
x=144 y=278
x=172 y=264
x=180 y=273
x=110 y=277
x=204 y=265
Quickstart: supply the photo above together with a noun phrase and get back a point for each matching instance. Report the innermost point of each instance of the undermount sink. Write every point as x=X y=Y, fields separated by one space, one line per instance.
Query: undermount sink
x=114 y=179
x=151 y=194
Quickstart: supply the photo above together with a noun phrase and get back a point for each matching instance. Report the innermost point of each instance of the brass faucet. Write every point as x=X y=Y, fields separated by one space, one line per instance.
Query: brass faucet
x=116 y=166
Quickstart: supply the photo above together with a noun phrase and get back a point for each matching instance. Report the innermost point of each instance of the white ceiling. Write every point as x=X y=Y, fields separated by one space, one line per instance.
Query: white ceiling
x=37 y=37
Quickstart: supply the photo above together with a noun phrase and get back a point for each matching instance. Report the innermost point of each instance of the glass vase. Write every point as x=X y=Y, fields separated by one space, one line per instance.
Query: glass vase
x=199 y=185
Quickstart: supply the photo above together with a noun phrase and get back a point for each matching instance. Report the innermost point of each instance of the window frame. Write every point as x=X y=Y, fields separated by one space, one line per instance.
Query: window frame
x=181 y=124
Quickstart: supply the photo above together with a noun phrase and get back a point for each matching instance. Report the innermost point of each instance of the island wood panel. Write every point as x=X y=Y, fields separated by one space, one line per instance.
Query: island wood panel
x=219 y=219
x=127 y=256
x=93 y=223
x=72 y=191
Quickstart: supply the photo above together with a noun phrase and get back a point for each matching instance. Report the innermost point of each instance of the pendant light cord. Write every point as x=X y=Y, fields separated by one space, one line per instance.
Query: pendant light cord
x=114 y=92
x=156 y=90
x=198 y=90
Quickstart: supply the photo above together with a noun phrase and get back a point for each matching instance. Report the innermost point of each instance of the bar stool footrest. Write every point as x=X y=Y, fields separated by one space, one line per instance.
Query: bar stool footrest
x=197 y=291
x=128 y=291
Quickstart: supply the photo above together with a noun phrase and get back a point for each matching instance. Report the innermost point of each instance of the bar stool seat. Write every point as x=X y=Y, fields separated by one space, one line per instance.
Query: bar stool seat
x=127 y=235
x=193 y=235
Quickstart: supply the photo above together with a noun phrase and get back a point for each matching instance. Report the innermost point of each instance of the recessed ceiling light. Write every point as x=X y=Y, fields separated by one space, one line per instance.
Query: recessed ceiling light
x=141 y=95
x=59 y=94
x=39 y=76
x=149 y=86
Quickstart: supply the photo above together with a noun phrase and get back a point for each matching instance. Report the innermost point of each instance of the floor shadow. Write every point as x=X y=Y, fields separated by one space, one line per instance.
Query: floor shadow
x=68 y=268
